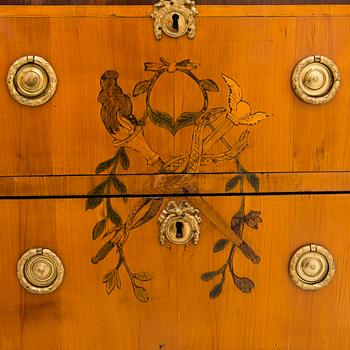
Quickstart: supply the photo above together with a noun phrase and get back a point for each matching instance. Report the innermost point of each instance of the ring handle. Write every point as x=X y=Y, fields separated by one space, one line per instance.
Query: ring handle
x=316 y=79
x=40 y=271
x=31 y=81
x=311 y=267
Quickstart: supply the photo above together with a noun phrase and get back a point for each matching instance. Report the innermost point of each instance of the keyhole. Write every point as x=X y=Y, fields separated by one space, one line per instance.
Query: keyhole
x=179 y=227
x=175 y=18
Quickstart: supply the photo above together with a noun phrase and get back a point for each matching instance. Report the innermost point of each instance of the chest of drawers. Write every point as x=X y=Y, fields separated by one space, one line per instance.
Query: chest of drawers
x=174 y=179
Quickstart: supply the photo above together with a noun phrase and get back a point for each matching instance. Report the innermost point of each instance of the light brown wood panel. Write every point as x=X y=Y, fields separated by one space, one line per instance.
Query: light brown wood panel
x=180 y=314
x=326 y=142
x=74 y=111
x=259 y=50
x=80 y=315
x=134 y=11
x=53 y=150
x=142 y=2
x=250 y=51
x=277 y=314
x=201 y=184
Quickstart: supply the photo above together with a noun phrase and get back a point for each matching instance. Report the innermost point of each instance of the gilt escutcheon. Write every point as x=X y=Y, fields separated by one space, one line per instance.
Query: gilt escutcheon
x=179 y=223
x=175 y=18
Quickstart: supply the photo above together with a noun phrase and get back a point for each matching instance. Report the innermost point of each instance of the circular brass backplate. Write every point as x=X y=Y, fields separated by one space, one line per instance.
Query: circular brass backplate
x=40 y=271
x=316 y=79
x=311 y=267
x=31 y=80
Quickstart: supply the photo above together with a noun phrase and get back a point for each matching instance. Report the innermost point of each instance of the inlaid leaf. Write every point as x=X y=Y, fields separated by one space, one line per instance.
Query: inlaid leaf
x=207 y=276
x=143 y=276
x=119 y=185
x=232 y=183
x=112 y=280
x=249 y=253
x=220 y=245
x=102 y=253
x=209 y=85
x=118 y=282
x=98 y=229
x=244 y=284
x=110 y=285
x=123 y=157
x=105 y=165
x=253 y=219
x=186 y=119
x=141 y=87
x=253 y=181
x=141 y=293
x=95 y=201
x=237 y=222
x=162 y=120
x=113 y=215
x=108 y=275
x=216 y=291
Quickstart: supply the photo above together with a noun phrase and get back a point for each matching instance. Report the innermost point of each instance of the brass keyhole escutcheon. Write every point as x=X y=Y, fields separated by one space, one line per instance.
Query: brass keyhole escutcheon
x=175 y=18
x=312 y=267
x=31 y=80
x=316 y=79
x=40 y=271
x=179 y=224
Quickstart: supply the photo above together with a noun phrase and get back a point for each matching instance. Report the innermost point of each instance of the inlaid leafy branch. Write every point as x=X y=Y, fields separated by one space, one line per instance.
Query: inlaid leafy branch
x=112 y=224
x=238 y=222
x=111 y=279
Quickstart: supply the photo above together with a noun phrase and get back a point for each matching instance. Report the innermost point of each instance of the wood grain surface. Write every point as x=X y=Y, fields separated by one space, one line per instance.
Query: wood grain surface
x=66 y=135
x=150 y=2
x=50 y=154
x=211 y=184
x=180 y=314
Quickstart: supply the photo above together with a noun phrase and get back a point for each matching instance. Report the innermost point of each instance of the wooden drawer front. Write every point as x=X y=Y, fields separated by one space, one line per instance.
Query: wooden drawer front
x=180 y=314
x=256 y=46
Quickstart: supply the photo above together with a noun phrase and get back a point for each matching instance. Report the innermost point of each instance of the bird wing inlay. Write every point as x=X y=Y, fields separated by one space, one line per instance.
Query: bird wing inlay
x=235 y=94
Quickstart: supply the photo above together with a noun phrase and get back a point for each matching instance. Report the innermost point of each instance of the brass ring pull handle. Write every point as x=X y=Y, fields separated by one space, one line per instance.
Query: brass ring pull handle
x=316 y=79
x=40 y=271
x=31 y=80
x=312 y=267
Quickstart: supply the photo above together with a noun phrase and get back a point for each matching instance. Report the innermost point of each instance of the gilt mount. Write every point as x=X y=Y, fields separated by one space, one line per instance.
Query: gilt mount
x=179 y=223
x=175 y=18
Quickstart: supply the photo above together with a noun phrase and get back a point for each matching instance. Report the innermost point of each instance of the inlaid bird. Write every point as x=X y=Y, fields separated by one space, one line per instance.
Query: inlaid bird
x=240 y=111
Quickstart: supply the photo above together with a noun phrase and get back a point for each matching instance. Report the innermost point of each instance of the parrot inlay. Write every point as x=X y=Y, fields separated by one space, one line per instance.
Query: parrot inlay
x=127 y=134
